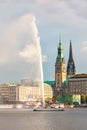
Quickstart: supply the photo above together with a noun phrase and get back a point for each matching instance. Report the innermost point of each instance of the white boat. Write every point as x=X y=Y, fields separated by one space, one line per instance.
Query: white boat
x=49 y=109
x=53 y=107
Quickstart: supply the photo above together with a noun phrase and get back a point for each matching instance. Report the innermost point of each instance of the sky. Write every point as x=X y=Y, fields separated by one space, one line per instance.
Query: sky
x=26 y=25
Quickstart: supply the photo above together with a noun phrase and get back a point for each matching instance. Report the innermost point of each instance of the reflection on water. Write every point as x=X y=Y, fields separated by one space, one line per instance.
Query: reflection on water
x=70 y=119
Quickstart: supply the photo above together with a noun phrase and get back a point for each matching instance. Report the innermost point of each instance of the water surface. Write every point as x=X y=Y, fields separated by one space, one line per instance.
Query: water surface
x=70 y=119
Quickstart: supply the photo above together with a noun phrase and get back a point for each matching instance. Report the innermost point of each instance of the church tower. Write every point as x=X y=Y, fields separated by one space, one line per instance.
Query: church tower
x=70 y=66
x=60 y=68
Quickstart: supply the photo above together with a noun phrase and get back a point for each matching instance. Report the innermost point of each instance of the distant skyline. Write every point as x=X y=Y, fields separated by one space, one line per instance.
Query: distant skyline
x=17 y=18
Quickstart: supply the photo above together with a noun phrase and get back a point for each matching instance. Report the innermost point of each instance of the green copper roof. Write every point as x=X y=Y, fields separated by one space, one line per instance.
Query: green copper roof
x=50 y=83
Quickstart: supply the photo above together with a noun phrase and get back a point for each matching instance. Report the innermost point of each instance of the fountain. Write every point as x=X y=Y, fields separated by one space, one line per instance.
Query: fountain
x=39 y=61
x=41 y=72
x=32 y=51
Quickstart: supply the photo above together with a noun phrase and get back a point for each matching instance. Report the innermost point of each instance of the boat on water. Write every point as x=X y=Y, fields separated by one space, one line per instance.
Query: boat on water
x=49 y=109
x=53 y=107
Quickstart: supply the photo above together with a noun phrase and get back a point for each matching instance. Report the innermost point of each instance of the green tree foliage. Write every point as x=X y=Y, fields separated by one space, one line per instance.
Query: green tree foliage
x=83 y=99
x=66 y=99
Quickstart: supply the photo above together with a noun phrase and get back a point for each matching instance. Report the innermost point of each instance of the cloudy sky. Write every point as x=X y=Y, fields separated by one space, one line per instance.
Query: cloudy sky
x=25 y=25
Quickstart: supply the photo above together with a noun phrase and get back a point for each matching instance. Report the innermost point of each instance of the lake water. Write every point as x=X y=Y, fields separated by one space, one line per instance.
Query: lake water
x=70 y=119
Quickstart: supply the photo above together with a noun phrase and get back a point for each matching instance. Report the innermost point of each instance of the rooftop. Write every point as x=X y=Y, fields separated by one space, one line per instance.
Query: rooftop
x=79 y=76
x=50 y=83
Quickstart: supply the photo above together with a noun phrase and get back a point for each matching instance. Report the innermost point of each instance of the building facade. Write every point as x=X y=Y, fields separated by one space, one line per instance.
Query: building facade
x=29 y=93
x=76 y=85
x=48 y=92
x=18 y=93
x=8 y=93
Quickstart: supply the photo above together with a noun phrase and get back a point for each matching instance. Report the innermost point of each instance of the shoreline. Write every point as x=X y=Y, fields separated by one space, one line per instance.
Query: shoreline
x=19 y=110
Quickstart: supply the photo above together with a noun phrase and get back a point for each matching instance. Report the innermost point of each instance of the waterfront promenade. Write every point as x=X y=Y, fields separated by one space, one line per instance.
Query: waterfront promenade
x=19 y=119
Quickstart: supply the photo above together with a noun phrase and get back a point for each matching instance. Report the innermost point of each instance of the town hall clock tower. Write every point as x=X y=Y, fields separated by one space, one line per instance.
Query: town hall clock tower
x=60 y=69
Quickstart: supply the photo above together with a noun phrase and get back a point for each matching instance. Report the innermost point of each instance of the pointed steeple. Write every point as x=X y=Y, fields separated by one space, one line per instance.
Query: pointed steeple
x=70 y=65
x=60 y=55
x=60 y=41
x=70 y=52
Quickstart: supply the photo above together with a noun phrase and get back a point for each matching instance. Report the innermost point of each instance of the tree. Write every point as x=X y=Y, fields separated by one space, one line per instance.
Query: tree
x=83 y=99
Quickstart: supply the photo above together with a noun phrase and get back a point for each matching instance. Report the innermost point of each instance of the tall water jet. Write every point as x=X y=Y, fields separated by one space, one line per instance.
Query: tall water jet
x=41 y=69
x=40 y=66
x=41 y=73
x=32 y=53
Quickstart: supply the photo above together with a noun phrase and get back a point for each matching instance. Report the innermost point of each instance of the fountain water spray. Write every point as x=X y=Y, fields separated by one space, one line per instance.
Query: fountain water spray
x=41 y=72
x=40 y=64
x=32 y=53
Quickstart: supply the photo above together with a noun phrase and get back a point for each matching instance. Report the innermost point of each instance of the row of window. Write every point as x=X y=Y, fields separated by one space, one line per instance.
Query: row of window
x=78 y=83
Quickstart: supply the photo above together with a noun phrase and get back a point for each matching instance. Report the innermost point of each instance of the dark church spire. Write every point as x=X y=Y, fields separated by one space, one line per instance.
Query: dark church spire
x=70 y=52
x=70 y=65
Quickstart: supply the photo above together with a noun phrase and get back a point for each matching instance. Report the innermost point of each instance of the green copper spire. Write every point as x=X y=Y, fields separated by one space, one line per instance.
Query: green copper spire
x=60 y=41
x=60 y=50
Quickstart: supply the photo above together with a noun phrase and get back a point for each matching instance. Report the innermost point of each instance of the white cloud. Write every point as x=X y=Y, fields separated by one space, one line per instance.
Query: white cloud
x=64 y=12
x=16 y=34
x=20 y=44
x=29 y=53
x=2 y=61
x=84 y=47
